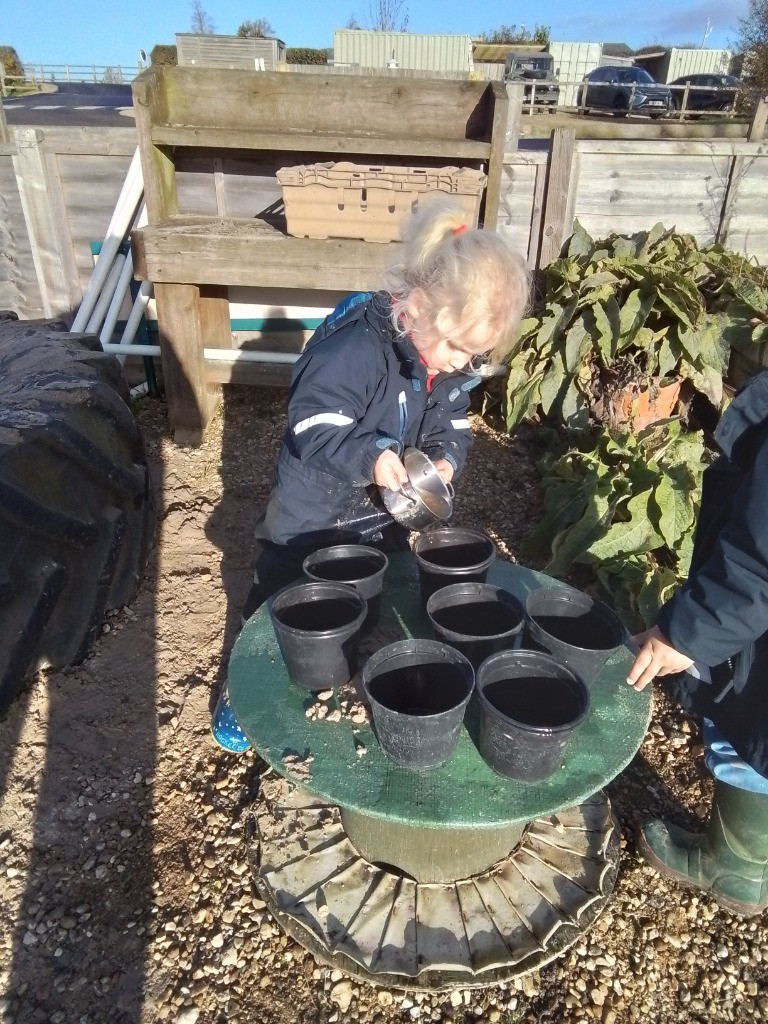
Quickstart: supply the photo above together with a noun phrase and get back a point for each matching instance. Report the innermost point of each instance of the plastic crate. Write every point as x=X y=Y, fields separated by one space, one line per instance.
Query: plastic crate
x=345 y=200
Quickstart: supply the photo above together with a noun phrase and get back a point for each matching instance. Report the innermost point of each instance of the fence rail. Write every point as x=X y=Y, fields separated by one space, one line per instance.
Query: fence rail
x=37 y=74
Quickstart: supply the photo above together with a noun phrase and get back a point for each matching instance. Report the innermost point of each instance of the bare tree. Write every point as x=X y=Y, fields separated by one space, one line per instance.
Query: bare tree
x=353 y=22
x=753 y=43
x=388 y=15
x=260 y=29
x=202 y=23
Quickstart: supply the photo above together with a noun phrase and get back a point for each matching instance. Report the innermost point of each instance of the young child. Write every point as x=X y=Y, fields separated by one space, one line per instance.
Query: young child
x=385 y=371
x=712 y=639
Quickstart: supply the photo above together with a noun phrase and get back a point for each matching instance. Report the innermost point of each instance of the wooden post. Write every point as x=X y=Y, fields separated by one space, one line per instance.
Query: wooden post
x=498 y=136
x=558 y=199
x=5 y=135
x=515 y=98
x=757 y=128
x=180 y=320
x=44 y=217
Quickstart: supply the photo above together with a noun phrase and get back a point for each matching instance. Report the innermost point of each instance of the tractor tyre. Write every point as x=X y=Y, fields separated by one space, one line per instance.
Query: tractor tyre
x=76 y=507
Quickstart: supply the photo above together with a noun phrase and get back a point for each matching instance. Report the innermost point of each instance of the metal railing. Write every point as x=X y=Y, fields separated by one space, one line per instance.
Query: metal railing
x=36 y=75
x=721 y=102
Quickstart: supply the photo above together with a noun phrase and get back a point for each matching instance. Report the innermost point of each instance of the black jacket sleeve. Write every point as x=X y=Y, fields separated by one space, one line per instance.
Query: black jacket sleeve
x=445 y=431
x=334 y=384
x=723 y=607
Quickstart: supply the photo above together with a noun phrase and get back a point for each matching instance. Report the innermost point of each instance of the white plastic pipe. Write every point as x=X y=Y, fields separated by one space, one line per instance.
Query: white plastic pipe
x=224 y=355
x=105 y=295
x=121 y=288
x=248 y=355
x=134 y=319
x=122 y=217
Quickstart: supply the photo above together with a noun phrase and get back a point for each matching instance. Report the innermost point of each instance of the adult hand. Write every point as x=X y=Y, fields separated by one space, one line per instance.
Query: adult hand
x=388 y=471
x=656 y=657
x=445 y=469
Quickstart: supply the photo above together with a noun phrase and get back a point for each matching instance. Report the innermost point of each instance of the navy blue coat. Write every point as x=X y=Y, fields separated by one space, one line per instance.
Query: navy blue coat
x=357 y=389
x=720 y=616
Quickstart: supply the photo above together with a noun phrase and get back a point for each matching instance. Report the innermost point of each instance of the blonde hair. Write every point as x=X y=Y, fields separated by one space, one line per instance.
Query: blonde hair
x=468 y=276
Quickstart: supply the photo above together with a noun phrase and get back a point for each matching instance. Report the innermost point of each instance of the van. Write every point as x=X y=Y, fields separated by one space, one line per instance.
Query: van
x=537 y=71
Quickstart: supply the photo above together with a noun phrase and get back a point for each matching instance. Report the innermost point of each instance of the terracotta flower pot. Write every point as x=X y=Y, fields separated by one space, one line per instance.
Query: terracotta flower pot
x=639 y=408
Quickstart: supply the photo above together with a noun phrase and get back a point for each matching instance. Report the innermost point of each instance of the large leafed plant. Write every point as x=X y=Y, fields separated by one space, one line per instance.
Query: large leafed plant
x=627 y=312
x=632 y=312
x=620 y=511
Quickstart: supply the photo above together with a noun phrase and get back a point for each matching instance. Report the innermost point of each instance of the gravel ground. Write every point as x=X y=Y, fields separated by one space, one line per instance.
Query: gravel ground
x=126 y=892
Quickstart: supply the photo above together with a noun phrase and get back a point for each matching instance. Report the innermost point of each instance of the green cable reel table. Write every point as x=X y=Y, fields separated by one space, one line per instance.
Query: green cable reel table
x=426 y=879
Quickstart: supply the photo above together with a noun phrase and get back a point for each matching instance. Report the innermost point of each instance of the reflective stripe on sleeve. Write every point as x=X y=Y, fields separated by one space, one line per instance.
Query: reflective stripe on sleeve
x=335 y=419
x=460 y=424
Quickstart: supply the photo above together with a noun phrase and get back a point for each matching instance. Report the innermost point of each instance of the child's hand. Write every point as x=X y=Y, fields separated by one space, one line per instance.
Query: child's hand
x=657 y=657
x=445 y=469
x=388 y=471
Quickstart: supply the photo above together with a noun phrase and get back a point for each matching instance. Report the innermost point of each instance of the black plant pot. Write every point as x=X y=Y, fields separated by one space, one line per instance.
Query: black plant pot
x=418 y=691
x=530 y=707
x=574 y=628
x=318 y=628
x=477 y=619
x=357 y=565
x=451 y=554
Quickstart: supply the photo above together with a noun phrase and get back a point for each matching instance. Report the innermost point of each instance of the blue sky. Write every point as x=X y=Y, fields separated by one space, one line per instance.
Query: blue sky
x=110 y=33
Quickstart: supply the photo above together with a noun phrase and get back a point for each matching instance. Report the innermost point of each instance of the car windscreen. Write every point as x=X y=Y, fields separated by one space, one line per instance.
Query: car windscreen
x=636 y=75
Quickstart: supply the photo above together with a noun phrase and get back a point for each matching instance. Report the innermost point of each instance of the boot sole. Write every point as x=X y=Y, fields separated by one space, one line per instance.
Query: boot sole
x=734 y=906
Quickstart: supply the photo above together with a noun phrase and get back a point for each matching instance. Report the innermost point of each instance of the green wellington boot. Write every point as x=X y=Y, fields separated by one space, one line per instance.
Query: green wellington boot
x=730 y=859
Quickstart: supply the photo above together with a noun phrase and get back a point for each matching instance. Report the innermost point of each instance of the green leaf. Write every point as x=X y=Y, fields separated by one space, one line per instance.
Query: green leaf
x=600 y=331
x=598 y=280
x=704 y=344
x=578 y=344
x=657 y=588
x=554 y=384
x=522 y=403
x=707 y=380
x=675 y=510
x=657 y=233
x=571 y=543
x=553 y=326
x=575 y=410
x=672 y=300
x=668 y=355
x=752 y=295
x=633 y=315
x=637 y=535
x=580 y=242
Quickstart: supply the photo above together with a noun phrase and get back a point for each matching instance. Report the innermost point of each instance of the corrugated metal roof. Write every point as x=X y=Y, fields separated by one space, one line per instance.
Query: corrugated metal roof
x=417 y=51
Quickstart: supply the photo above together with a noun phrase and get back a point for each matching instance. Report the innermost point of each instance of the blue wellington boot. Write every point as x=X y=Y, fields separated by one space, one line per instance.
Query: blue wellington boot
x=729 y=860
x=225 y=728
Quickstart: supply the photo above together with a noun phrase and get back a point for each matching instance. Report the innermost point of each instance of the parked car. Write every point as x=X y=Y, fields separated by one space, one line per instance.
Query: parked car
x=624 y=90
x=537 y=71
x=706 y=92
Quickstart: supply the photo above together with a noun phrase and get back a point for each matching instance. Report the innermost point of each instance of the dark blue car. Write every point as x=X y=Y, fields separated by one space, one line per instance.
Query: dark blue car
x=624 y=90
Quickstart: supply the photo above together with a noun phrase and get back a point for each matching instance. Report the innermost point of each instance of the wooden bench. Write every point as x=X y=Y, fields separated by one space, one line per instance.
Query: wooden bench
x=292 y=118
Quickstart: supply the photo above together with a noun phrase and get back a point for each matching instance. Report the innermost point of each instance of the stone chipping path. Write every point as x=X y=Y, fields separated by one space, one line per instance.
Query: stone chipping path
x=125 y=832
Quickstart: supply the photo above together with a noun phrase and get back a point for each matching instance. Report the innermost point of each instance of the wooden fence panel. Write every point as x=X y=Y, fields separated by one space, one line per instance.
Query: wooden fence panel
x=748 y=225
x=19 y=288
x=623 y=195
x=522 y=183
x=90 y=185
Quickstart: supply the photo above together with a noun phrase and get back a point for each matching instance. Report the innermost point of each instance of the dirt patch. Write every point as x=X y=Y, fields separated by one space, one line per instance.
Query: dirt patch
x=125 y=831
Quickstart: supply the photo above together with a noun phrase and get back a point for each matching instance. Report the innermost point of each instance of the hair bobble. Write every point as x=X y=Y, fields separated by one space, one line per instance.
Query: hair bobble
x=459 y=229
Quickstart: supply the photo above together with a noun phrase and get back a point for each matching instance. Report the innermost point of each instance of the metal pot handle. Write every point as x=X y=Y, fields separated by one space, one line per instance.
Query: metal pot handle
x=407 y=490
